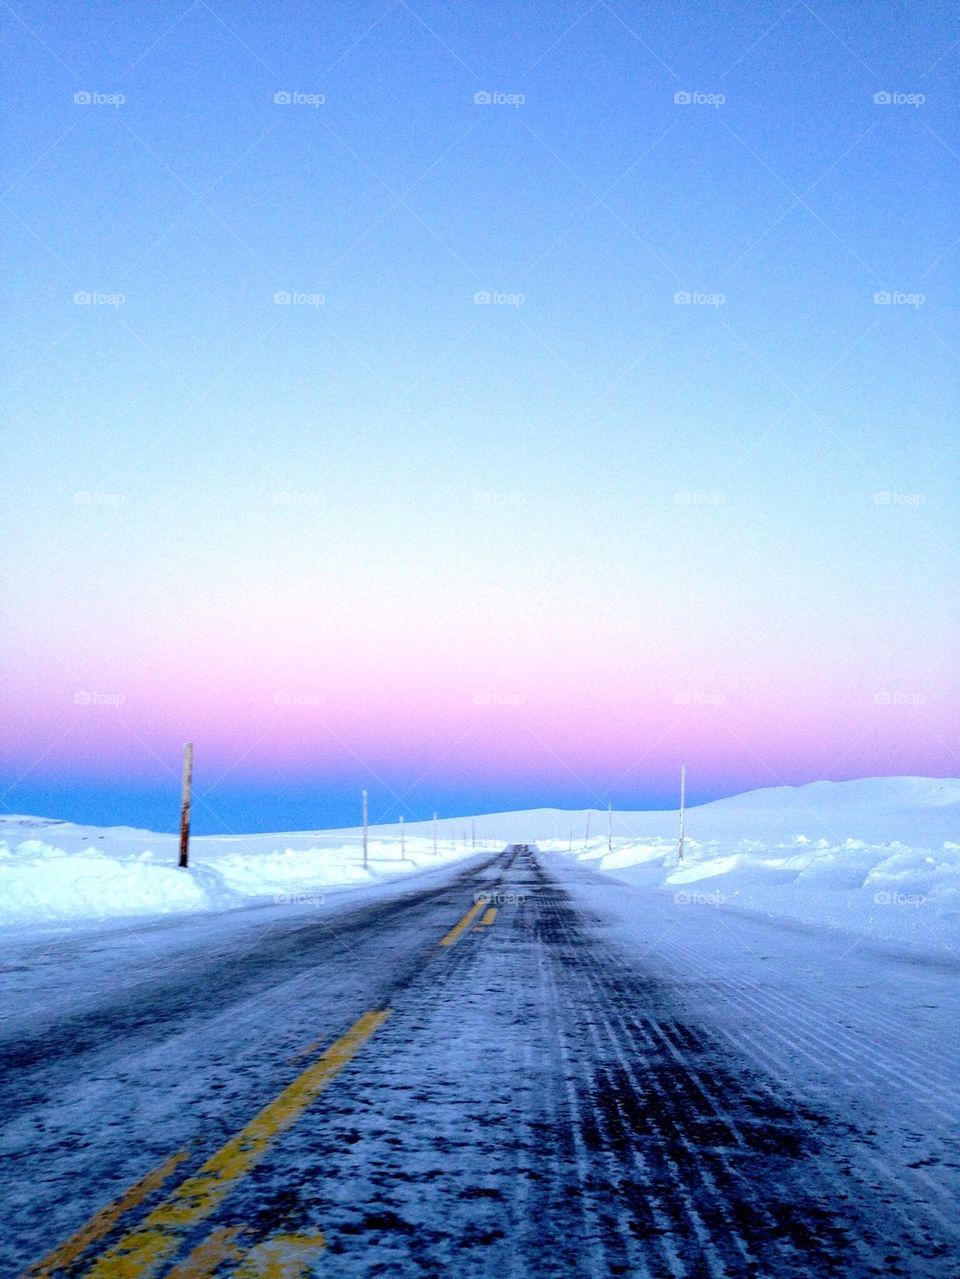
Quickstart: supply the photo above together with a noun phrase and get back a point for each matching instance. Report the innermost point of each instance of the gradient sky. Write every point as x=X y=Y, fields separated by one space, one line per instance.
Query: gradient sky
x=475 y=556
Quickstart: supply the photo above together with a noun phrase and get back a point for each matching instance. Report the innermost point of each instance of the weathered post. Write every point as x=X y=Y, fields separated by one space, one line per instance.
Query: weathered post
x=185 y=803
x=403 y=852
x=683 y=800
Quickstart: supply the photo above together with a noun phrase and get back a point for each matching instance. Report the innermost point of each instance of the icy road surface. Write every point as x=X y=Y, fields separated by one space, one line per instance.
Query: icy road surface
x=516 y=1068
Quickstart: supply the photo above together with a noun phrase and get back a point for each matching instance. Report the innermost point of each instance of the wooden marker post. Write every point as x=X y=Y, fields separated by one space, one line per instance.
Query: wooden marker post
x=610 y=827
x=403 y=854
x=434 y=834
x=683 y=800
x=185 y=803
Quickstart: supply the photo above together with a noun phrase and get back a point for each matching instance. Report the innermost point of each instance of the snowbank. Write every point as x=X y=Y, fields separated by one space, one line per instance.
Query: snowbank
x=59 y=872
x=809 y=853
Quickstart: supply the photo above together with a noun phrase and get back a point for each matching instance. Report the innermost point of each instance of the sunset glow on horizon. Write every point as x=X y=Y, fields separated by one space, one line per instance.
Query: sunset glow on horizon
x=483 y=454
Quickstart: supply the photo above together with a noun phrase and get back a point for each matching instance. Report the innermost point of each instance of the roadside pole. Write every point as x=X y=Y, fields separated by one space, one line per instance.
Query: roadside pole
x=683 y=800
x=403 y=850
x=586 y=838
x=364 y=830
x=434 y=834
x=610 y=827
x=185 y=803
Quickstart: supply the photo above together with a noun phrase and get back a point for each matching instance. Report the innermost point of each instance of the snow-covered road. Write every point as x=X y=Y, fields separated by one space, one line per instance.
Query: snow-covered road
x=513 y=1067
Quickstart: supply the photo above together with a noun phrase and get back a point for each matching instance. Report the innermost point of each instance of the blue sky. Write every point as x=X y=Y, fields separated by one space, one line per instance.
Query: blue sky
x=586 y=494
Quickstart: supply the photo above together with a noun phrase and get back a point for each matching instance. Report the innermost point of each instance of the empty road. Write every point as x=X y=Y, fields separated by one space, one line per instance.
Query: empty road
x=472 y=1077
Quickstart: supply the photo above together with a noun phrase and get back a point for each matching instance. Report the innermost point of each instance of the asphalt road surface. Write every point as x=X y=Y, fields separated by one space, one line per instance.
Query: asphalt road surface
x=471 y=1078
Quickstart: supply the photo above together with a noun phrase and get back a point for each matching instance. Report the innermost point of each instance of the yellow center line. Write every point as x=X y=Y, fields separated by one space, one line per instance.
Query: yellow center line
x=287 y=1256
x=454 y=933
x=488 y=918
x=204 y=1261
x=103 y=1222
x=142 y=1252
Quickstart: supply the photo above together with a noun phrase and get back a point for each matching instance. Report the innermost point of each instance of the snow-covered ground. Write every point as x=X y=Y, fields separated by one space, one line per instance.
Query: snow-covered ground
x=63 y=873
x=879 y=857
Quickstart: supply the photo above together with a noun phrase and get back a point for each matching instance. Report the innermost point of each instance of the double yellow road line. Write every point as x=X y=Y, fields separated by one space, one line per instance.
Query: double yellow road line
x=143 y=1252
x=459 y=928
